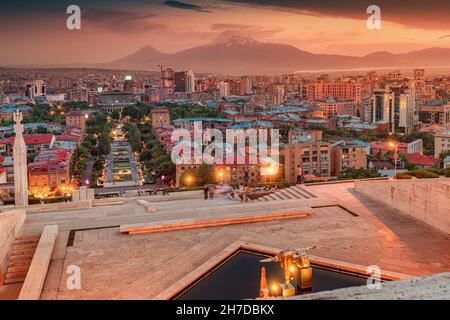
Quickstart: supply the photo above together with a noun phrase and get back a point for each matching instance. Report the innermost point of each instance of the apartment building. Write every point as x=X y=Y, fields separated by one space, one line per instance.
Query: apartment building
x=441 y=142
x=313 y=157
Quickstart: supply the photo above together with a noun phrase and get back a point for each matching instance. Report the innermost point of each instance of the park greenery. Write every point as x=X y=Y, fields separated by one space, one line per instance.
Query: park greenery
x=424 y=173
x=97 y=144
x=178 y=111
x=140 y=112
x=155 y=161
x=133 y=135
x=351 y=173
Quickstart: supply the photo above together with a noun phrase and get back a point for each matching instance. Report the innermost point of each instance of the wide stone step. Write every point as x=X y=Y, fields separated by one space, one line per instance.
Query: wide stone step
x=301 y=191
x=23 y=252
x=13 y=281
x=34 y=238
x=273 y=197
x=281 y=195
x=17 y=269
x=285 y=194
x=16 y=276
x=295 y=193
x=25 y=247
x=24 y=242
x=19 y=264
x=21 y=258
x=306 y=191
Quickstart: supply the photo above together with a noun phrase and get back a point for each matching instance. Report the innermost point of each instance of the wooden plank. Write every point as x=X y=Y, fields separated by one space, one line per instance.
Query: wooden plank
x=34 y=282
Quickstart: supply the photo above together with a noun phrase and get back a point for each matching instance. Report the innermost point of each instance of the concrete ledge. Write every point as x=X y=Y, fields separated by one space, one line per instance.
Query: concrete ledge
x=312 y=184
x=59 y=206
x=34 y=281
x=107 y=202
x=434 y=287
x=183 y=224
x=181 y=195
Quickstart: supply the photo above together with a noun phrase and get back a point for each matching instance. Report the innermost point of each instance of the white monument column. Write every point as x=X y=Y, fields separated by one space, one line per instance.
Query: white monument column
x=20 y=162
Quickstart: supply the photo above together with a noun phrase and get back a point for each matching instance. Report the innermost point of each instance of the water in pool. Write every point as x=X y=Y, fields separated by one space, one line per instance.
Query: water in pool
x=239 y=278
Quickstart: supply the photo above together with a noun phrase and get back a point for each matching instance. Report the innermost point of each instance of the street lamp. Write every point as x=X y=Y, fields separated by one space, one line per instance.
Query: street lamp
x=220 y=174
x=395 y=146
x=271 y=171
x=188 y=181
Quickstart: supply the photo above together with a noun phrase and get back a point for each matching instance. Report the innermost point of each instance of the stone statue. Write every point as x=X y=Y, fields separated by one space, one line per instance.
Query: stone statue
x=20 y=162
x=18 y=126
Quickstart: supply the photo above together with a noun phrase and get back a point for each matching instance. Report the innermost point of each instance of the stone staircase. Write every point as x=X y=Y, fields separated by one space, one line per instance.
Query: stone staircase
x=297 y=192
x=20 y=259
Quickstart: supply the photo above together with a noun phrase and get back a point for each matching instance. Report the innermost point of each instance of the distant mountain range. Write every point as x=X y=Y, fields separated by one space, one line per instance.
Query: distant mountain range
x=233 y=53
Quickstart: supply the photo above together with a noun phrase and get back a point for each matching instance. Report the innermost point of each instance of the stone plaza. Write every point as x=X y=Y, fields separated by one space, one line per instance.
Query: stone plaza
x=146 y=247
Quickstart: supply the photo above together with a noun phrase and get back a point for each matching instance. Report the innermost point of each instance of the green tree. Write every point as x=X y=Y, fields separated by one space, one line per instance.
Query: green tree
x=351 y=173
x=104 y=143
x=427 y=138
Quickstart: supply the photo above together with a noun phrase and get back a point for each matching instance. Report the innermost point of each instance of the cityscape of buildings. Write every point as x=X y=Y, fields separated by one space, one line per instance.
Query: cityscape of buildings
x=329 y=123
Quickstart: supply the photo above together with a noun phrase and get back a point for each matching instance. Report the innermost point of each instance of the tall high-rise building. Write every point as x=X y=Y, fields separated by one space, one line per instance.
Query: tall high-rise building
x=420 y=86
x=35 y=88
x=382 y=106
x=184 y=81
x=404 y=108
x=278 y=95
x=246 y=83
x=395 y=106
x=179 y=81
x=166 y=87
x=419 y=77
x=224 y=89
x=190 y=81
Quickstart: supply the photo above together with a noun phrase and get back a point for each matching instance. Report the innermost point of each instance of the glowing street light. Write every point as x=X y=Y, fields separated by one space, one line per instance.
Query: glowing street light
x=271 y=171
x=395 y=146
x=220 y=175
x=188 y=181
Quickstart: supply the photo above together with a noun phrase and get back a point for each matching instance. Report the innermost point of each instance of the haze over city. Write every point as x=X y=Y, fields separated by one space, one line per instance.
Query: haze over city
x=111 y=30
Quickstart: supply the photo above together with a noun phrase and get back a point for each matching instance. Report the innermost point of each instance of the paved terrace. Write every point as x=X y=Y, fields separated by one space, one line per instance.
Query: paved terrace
x=121 y=266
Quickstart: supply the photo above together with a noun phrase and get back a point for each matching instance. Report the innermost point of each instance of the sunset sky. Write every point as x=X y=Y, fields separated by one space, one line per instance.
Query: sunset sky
x=34 y=32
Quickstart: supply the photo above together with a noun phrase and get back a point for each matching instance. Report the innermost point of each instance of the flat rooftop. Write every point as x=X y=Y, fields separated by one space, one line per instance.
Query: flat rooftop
x=344 y=225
